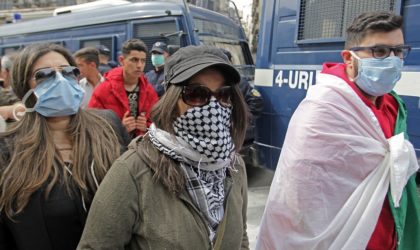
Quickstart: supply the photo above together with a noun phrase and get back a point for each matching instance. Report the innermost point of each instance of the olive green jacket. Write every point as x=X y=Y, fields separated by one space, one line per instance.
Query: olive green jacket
x=133 y=211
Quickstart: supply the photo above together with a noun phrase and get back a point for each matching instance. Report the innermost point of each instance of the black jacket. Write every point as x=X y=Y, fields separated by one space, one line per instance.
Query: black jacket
x=156 y=78
x=55 y=223
x=254 y=102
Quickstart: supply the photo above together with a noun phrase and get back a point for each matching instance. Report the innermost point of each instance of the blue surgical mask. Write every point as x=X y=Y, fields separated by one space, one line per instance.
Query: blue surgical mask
x=57 y=96
x=158 y=60
x=378 y=77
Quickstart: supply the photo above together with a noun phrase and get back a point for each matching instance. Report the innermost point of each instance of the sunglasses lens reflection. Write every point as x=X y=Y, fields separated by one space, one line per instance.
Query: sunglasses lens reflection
x=46 y=73
x=224 y=96
x=198 y=95
x=70 y=71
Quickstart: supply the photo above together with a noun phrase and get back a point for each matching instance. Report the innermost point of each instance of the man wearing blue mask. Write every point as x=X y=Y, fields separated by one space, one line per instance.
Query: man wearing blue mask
x=346 y=174
x=155 y=76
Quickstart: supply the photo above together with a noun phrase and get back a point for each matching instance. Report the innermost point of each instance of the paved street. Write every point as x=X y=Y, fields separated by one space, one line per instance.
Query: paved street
x=259 y=181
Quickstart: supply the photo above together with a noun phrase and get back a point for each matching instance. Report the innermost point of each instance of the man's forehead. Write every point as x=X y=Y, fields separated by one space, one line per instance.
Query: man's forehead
x=391 y=38
x=79 y=60
x=136 y=54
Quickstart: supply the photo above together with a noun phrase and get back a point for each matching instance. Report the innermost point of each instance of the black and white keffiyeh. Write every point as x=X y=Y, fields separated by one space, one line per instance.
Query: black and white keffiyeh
x=207 y=129
x=204 y=164
x=206 y=188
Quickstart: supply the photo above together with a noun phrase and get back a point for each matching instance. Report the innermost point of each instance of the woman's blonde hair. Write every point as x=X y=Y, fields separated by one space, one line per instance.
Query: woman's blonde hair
x=33 y=160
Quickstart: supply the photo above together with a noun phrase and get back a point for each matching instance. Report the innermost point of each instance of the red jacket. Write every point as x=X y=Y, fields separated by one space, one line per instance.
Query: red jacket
x=111 y=94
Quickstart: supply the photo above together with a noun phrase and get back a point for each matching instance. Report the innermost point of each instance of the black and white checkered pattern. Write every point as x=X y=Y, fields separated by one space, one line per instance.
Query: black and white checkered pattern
x=207 y=130
x=207 y=192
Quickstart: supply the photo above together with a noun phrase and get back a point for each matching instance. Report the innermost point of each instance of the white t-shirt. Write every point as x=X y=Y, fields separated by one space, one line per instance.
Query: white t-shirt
x=88 y=90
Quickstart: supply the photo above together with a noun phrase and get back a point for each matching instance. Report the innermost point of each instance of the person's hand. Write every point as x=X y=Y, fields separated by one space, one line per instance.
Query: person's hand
x=129 y=122
x=6 y=112
x=141 y=122
x=12 y=112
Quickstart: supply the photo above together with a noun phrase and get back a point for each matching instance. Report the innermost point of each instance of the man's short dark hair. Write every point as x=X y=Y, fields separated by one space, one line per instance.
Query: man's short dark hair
x=88 y=54
x=133 y=44
x=369 y=23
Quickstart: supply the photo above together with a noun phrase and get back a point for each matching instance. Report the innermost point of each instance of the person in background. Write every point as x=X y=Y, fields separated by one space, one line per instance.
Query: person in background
x=172 y=49
x=87 y=61
x=126 y=90
x=5 y=68
x=155 y=76
x=10 y=106
x=346 y=173
x=255 y=104
x=7 y=97
x=104 y=59
x=53 y=159
x=252 y=96
x=182 y=185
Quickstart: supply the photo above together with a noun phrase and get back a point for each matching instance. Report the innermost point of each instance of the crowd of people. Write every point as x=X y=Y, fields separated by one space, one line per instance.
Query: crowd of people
x=100 y=155
x=68 y=122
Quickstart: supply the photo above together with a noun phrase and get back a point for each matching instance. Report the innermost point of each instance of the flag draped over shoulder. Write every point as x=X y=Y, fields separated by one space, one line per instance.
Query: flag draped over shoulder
x=407 y=213
x=334 y=172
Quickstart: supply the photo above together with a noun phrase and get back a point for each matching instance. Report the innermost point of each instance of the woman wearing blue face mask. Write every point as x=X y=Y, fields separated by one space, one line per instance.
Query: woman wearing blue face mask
x=53 y=159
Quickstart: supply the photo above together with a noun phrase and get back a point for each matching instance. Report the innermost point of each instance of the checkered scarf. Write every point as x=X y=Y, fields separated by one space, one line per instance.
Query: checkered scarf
x=204 y=164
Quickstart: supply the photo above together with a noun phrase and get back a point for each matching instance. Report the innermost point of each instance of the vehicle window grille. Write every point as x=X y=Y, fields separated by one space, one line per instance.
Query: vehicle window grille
x=154 y=29
x=95 y=42
x=219 y=29
x=8 y=50
x=150 y=33
x=323 y=19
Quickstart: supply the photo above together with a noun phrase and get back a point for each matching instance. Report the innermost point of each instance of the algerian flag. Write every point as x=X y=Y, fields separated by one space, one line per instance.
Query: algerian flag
x=334 y=173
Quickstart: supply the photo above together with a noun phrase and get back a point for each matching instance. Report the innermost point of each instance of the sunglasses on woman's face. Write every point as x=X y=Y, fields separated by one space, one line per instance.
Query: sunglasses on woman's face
x=198 y=95
x=46 y=73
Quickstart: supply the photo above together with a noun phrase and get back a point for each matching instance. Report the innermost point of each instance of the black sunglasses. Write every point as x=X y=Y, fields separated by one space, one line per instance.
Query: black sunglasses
x=381 y=52
x=46 y=73
x=198 y=95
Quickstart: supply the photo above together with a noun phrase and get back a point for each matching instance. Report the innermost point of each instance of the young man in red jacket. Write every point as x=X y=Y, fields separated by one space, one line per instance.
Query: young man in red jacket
x=126 y=90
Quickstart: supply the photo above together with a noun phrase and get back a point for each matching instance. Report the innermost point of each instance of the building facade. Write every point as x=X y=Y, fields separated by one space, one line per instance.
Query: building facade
x=254 y=26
